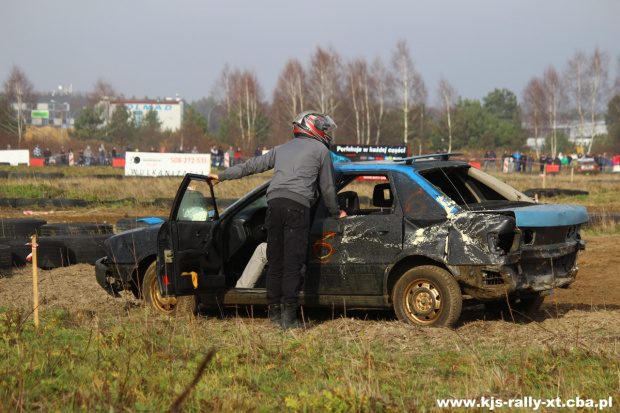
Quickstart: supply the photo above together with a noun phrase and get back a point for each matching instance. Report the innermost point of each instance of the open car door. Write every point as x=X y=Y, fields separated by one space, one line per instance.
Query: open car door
x=189 y=253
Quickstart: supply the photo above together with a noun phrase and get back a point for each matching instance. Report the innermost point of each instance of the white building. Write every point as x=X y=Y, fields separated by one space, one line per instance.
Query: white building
x=169 y=111
x=572 y=130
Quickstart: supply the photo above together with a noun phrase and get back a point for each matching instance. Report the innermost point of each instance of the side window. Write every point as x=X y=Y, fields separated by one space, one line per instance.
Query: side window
x=415 y=201
x=196 y=204
x=367 y=195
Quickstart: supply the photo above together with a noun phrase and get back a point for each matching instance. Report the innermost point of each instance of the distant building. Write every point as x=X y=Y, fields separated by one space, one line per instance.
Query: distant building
x=169 y=111
x=572 y=130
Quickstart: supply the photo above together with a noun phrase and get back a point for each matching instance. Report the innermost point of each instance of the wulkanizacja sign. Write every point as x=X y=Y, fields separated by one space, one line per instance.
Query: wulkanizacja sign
x=166 y=164
x=355 y=153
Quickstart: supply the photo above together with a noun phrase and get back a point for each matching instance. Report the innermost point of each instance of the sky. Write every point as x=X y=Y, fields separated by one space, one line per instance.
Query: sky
x=161 y=48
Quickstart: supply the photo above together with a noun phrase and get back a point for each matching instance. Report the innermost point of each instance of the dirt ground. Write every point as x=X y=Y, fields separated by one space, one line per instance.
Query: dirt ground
x=595 y=295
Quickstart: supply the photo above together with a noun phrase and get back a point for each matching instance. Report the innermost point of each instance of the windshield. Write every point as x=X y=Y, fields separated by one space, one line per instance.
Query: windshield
x=471 y=188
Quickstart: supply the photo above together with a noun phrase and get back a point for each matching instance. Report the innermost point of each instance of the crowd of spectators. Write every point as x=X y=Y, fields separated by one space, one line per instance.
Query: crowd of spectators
x=101 y=156
x=530 y=162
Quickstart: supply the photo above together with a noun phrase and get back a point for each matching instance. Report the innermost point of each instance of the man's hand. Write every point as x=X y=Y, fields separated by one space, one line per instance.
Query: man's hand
x=215 y=179
x=343 y=214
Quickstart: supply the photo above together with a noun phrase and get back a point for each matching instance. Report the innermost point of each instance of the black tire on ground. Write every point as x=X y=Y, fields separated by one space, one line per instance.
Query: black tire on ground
x=69 y=202
x=7 y=202
x=19 y=249
x=427 y=295
x=603 y=218
x=75 y=228
x=52 y=253
x=20 y=227
x=185 y=306
x=6 y=260
x=83 y=249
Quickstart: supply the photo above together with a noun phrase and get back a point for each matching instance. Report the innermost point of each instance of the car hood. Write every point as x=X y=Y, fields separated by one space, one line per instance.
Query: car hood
x=548 y=215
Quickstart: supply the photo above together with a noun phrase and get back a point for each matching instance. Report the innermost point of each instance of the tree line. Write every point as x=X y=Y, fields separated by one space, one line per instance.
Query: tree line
x=373 y=102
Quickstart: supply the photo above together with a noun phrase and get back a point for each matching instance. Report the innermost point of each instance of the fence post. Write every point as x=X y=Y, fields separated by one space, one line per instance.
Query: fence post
x=35 y=281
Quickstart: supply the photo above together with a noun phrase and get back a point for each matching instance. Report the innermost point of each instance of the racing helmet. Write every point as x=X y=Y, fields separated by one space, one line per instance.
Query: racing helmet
x=315 y=125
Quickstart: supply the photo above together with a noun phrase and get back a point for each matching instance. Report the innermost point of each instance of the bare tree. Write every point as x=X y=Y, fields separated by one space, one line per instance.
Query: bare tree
x=597 y=73
x=554 y=93
x=409 y=86
x=20 y=94
x=102 y=90
x=358 y=85
x=381 y=92
x=222 y=89
x=289 y=96
x=242 y=96
x=325 y=78
x=616 y=90
x=533 y=107
x=575 y=79
x=447 y=96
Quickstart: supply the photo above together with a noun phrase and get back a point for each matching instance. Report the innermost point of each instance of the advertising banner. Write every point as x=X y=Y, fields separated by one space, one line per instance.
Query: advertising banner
x=43 y=114
x=15 y=157
x=166 y=164
x=357 y=153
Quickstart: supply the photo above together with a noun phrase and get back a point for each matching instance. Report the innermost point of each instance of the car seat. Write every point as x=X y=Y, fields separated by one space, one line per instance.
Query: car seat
x=349 y=202
x=382 y=198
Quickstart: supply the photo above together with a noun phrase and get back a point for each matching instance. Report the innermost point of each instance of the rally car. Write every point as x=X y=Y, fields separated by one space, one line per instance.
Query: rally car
x=425 y=236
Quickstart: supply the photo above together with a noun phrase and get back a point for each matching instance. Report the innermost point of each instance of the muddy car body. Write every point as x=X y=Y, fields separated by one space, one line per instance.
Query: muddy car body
x=424 y=236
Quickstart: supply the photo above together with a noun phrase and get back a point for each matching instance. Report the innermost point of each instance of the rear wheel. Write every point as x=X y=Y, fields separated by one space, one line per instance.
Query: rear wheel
x=427 y=295
x=177 y=306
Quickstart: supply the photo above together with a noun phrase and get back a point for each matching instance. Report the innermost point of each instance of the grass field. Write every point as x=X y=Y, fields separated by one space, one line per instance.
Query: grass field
x=138 y=361
x=131 y=359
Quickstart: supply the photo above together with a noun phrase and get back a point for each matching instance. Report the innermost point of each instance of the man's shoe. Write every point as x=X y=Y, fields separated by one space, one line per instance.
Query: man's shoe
x=275 y=314
x=289 y=317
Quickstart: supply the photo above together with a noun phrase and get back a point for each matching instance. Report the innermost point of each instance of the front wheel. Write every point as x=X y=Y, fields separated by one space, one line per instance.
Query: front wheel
x=176 y=306
x=427 y=295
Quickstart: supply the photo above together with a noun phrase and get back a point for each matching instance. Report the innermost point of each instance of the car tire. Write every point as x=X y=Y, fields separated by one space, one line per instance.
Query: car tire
x=6 y=260
x=20 y=227
x=52 y=253
x=427 y=296
x=75 y=228
x=185 y=306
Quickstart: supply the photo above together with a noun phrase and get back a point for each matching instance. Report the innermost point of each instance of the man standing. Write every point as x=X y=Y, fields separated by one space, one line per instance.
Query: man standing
x=47 y=155
x=213 y=157
x=37 y=152
x=301 y=167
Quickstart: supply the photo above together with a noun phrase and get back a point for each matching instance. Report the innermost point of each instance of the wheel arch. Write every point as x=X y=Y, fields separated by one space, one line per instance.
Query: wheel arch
x=405 y=264
x=137 y=275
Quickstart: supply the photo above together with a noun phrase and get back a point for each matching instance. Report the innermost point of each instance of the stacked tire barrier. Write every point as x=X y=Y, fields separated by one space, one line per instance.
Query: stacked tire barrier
x=59 y=245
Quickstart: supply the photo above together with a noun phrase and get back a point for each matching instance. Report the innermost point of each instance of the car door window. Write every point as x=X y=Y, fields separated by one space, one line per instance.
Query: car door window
x=196 y=204
x=367 y=195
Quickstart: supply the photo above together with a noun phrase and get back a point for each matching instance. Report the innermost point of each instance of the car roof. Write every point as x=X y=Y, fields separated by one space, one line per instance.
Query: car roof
x=398 y=165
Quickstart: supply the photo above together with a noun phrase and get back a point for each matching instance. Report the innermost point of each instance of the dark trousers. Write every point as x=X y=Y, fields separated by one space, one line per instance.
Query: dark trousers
x=288 y=228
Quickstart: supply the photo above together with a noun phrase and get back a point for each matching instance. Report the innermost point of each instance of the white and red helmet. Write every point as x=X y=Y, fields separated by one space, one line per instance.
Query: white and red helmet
x=315 y=125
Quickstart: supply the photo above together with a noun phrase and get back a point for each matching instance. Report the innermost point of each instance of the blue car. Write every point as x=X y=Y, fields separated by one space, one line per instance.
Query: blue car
x=425 y=236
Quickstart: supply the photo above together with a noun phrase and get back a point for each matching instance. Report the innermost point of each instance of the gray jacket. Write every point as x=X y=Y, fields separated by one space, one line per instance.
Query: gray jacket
x=300 y=167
